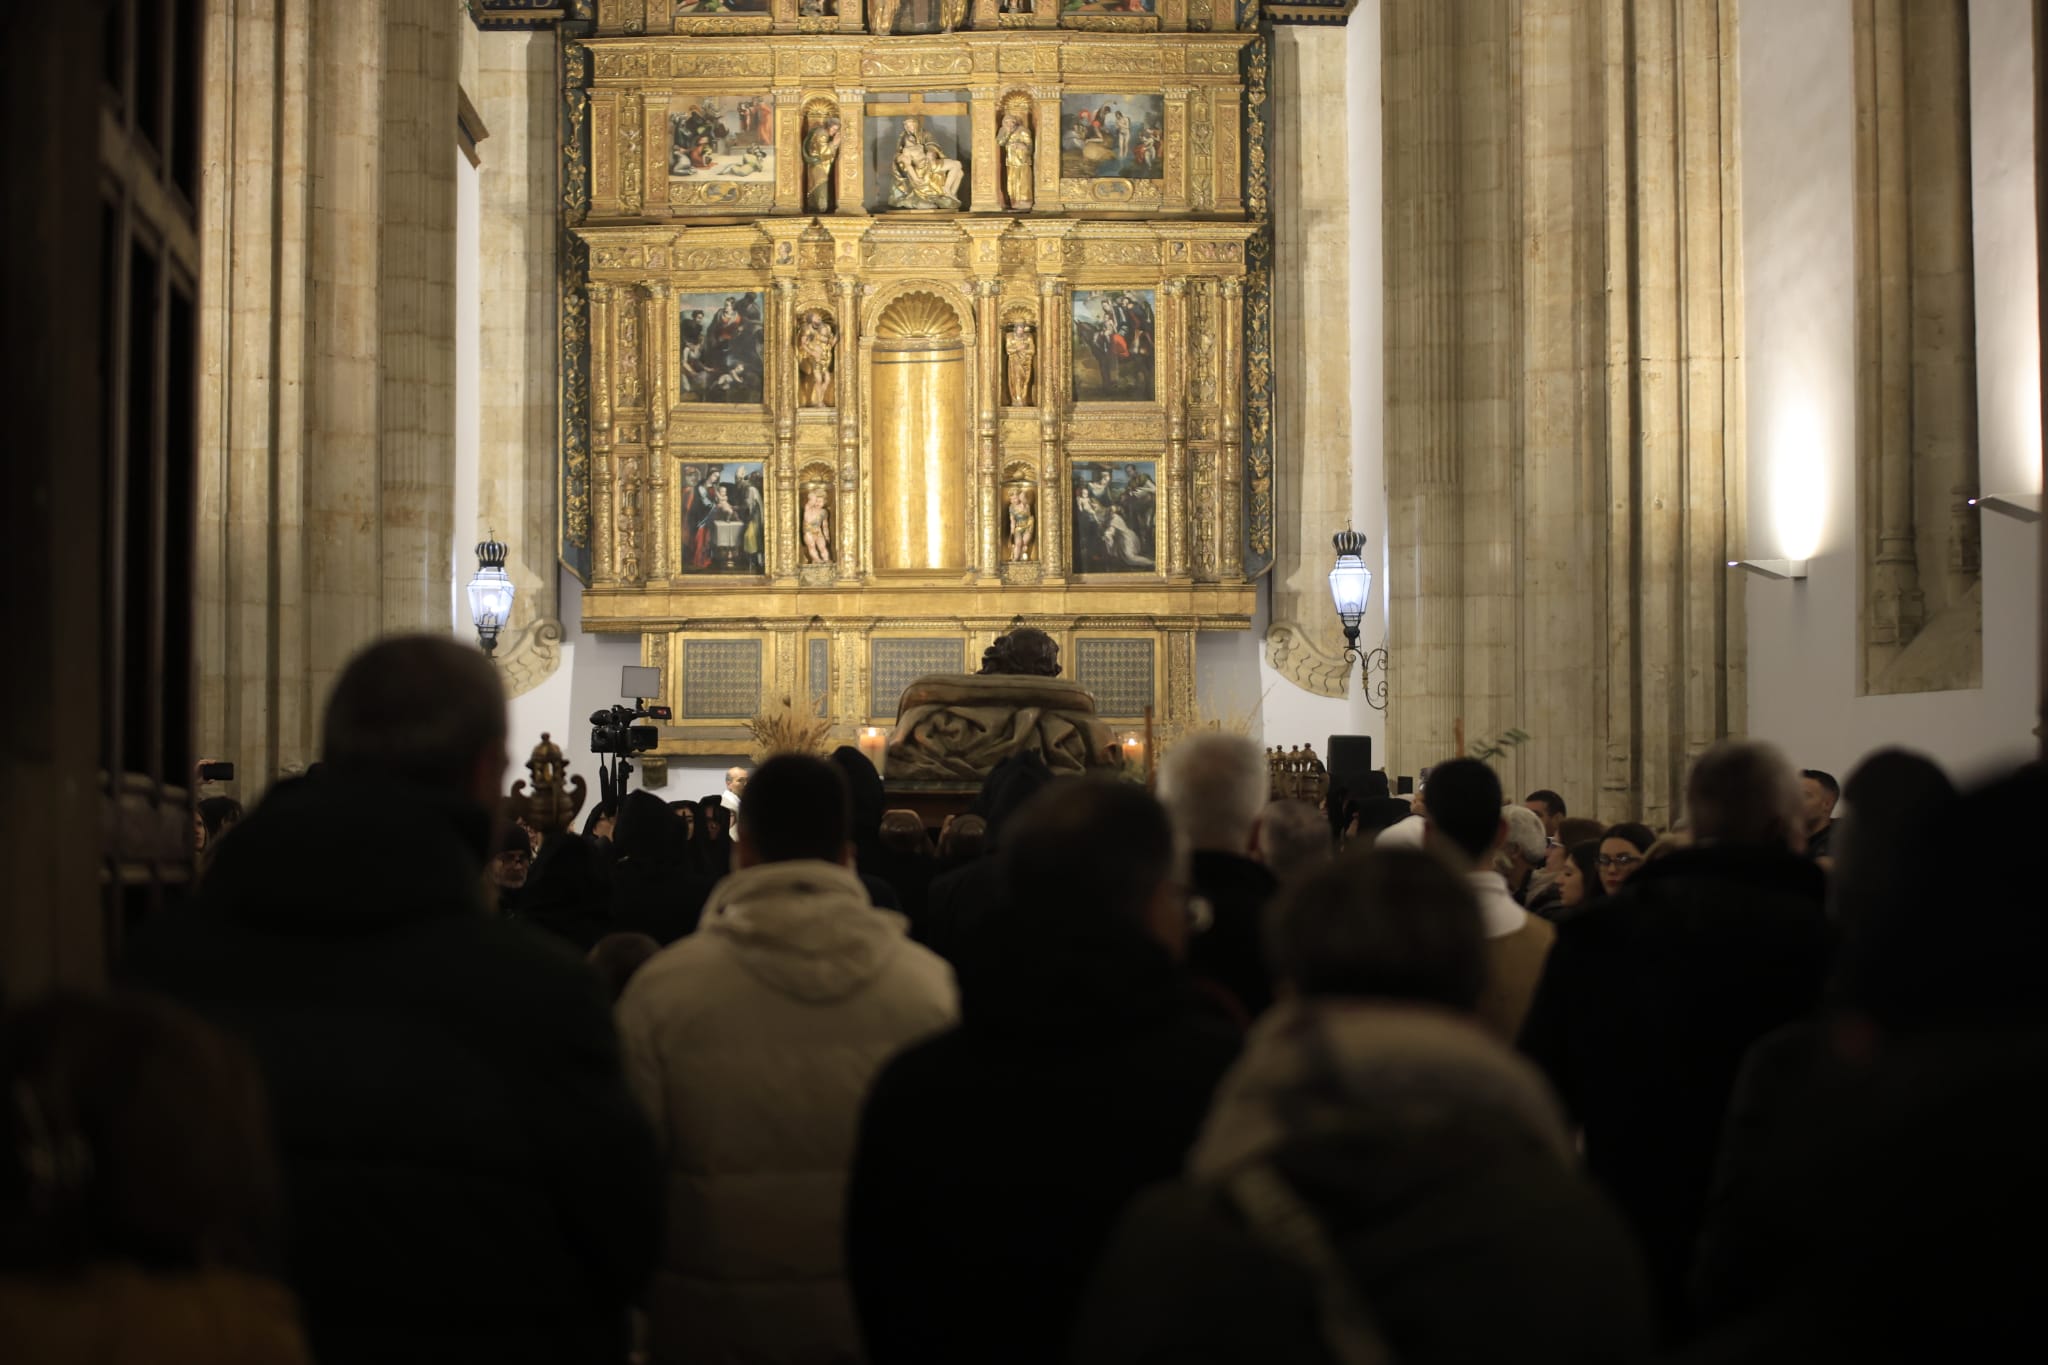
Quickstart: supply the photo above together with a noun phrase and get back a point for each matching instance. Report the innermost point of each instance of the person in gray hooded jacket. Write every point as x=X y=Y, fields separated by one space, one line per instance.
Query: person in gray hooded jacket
x=751 y=1044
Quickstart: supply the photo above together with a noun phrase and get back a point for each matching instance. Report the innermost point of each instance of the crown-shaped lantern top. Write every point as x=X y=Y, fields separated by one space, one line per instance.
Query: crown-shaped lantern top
x=491 y=554
x=1350 y=582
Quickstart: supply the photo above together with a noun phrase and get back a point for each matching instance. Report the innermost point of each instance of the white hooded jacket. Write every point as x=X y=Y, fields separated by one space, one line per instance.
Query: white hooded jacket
x=752 y=1043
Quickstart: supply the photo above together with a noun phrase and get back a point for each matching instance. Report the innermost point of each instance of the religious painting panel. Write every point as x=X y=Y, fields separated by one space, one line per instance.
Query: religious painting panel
x=720 y=523
x=1113 y=345
x=917 y=16
x=1112 y=135
x=719 y=360
x=1109 y=8
x=727 y=139
x=1116 y=516
x=704 y=9
x=919 y=152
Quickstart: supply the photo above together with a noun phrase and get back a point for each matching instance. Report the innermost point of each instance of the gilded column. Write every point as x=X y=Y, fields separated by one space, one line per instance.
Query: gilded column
x=1230 y=535
x=1053 y=374
x=656 y=329
x=600 y=365
x=1173 y=357
x=988 y=158
x=1045 y=144
x=988 y=307
x=782 y=557
x=852 y=188
x=849 y=394
x=601 y=561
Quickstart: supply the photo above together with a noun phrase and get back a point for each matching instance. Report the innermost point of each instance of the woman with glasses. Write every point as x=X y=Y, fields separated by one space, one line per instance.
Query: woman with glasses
x=1621 y=853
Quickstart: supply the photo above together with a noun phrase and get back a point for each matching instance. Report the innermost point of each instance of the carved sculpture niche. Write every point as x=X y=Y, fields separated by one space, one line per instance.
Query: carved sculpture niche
x=817 y=352
x=821 y=156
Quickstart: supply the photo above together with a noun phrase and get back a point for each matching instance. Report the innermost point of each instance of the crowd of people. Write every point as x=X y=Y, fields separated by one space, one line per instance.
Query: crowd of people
x=1093 y=1074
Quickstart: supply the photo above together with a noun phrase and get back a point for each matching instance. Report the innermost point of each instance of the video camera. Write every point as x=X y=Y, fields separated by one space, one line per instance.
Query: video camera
x=612 y=731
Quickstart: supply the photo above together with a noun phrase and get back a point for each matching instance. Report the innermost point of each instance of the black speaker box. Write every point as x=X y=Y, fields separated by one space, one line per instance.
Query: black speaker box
x=1350 y=765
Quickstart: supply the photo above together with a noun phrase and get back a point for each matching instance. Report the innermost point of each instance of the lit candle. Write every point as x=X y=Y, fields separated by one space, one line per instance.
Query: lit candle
x=874 y=747
x=1134 y=752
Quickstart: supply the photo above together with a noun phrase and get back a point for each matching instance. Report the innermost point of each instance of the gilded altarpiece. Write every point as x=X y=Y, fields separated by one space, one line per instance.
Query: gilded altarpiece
x=894 y=342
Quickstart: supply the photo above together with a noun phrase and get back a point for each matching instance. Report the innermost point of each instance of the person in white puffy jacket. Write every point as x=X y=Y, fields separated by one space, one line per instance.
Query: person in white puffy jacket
x=752 y=1043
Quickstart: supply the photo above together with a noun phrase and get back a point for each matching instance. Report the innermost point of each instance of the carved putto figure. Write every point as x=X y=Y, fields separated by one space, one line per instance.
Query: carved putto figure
x=1014 y=138
x=821 y=157
x=817 y=525
x=1021 y=349
x=1023 y=516
x=817 y=345
x=921 y=175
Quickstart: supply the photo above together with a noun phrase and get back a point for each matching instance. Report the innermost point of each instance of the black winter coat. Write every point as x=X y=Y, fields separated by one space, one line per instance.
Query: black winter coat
x=467 y=1176
x=993 y=1160
x=1231 y=953
x=1647 y=1005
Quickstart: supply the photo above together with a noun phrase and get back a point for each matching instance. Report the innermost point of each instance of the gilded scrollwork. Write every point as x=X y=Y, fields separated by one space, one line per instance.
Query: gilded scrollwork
x=1258 y=400
x=1255 y=111
x=632 y=156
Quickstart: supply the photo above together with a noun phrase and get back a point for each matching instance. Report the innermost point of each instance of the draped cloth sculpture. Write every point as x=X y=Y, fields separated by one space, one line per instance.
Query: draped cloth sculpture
x=956 y=727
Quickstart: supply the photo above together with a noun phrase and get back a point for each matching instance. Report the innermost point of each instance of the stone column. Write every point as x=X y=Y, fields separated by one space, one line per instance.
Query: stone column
x=1312 y=355
x=1916 y=352
x=416 y=312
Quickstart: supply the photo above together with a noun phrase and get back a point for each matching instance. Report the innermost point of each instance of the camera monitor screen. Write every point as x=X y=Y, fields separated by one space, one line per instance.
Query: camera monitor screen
x=636 y=680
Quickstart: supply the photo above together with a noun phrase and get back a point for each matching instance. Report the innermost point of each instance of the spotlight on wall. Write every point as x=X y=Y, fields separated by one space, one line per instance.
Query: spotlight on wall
x=490 y=593
x=2019 y=506
x=1771 y=568
x=1350 y=587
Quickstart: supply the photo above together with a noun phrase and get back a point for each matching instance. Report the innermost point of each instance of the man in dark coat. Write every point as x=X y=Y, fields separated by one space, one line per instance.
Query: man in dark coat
x=959 y=899
x=467 y=1176
x=994 y=1159
x=1215 y=787
x=1650 y=999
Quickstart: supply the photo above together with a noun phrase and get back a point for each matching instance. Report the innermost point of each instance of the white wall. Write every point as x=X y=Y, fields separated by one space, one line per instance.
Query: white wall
x=1798 y=131
x=1231 y=674
x=588 y=681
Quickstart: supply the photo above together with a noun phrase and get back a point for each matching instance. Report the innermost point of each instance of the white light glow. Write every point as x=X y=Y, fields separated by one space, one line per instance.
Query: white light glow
x=1798 y=482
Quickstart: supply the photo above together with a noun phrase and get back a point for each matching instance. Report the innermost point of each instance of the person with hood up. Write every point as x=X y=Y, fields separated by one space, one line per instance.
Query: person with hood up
x=751 y=1044
x=656 y=889
x=1380 y=1178
x=994 y=1158
x=865 y=798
